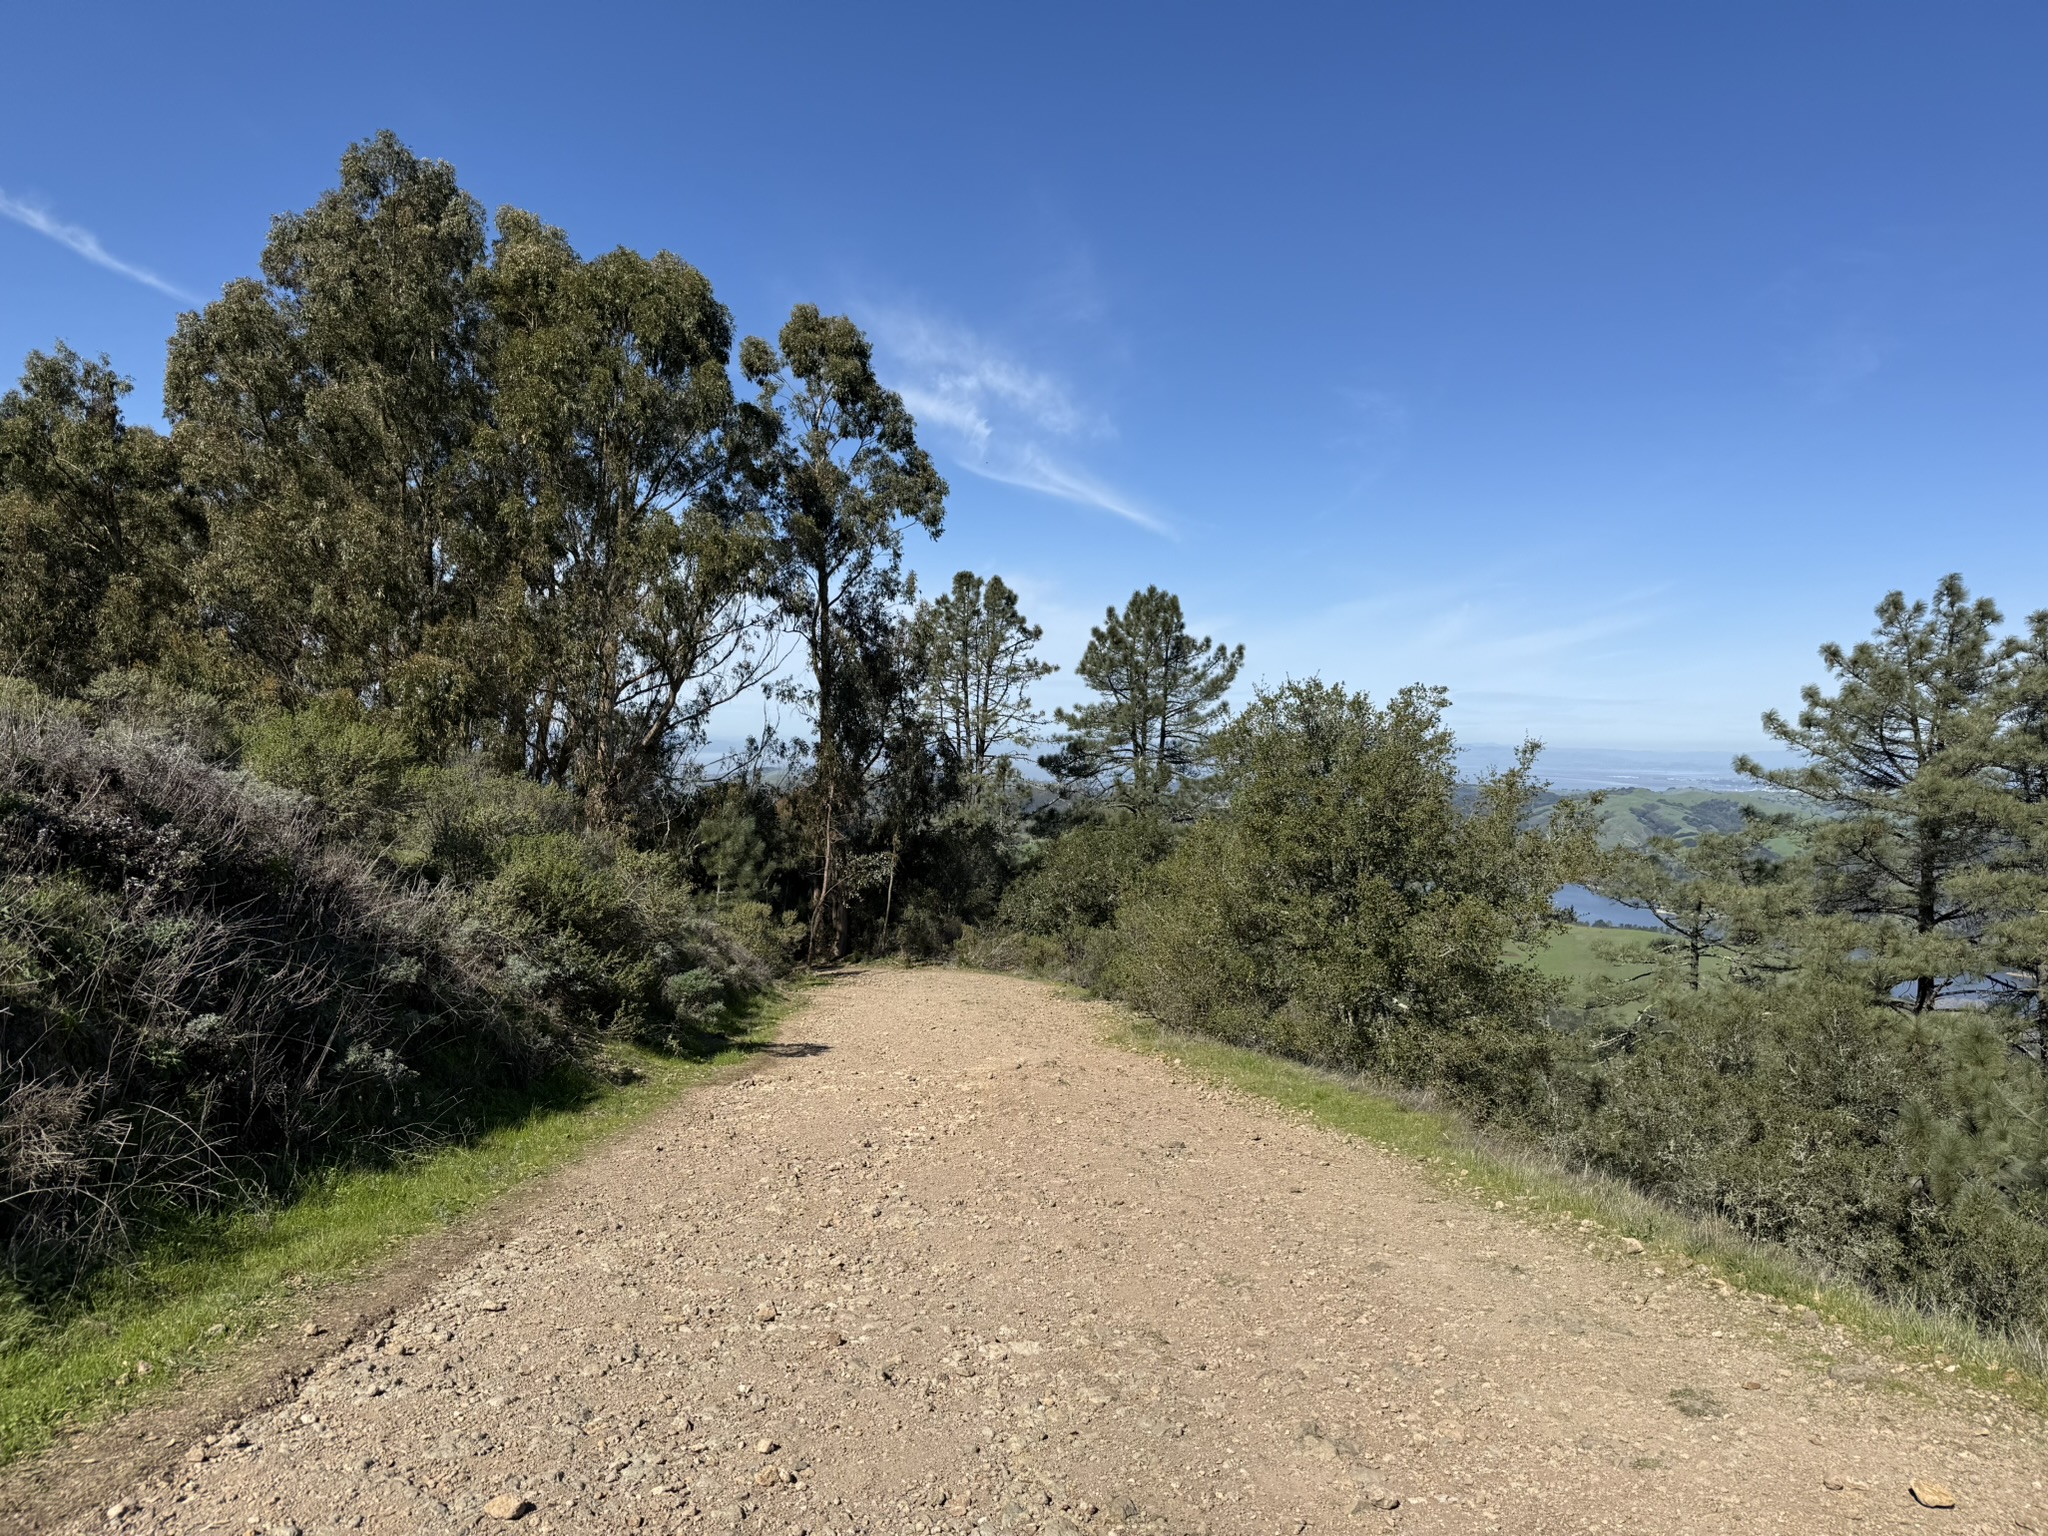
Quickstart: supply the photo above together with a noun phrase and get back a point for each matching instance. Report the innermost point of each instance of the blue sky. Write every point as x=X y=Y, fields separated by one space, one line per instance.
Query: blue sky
x=1598 y=361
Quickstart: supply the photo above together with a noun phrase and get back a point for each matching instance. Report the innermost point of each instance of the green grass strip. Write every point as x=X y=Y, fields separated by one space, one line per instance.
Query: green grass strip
x=1538 y=1190
x=191 y=1297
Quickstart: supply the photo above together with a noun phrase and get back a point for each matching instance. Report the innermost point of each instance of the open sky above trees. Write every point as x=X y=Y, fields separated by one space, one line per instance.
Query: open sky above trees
x=1594 y=363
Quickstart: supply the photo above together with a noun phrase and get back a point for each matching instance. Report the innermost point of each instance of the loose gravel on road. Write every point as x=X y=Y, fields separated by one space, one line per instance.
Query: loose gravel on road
x=950 y=1263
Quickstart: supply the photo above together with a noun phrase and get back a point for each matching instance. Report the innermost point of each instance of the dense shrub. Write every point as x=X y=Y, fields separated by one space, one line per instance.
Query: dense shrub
x=197 y=993
x=1066 y=903
x=1344 y=908
x=352 y=764
x=1906 y=1151
x=209 y=982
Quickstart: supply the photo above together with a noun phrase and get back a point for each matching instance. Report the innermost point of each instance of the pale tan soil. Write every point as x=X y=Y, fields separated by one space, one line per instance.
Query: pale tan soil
x=1021 y=1280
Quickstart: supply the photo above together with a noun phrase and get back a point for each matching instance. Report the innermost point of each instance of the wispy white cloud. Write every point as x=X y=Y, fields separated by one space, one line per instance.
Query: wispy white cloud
x=1004 y=420
x=1525 y=655
x=962 y=376
x=1035 y=470
x=85 y=243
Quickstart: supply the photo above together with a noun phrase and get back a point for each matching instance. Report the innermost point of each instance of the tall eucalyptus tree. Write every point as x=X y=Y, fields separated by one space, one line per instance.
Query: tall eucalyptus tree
x=841 y=477
x=641 y=569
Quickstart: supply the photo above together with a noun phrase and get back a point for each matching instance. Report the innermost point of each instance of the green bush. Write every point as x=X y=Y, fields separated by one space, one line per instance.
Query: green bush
x=1343 y=907
x=1071 y=895
x=774 y=939
x=213 y=981
x=202 y=993
x=1906 y=1151
x=352 y=764
x=600 y=930
x=613 y=935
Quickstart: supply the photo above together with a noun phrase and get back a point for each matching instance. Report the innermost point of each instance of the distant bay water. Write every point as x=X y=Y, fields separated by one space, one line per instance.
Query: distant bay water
x=1574 y=770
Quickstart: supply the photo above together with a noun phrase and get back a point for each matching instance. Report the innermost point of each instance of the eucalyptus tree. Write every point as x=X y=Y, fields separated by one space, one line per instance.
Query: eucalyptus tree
x=978 y=668
x=840 y=476
x=641 y=569
x=95 y=536
x=1161 y=695
x=326 y=412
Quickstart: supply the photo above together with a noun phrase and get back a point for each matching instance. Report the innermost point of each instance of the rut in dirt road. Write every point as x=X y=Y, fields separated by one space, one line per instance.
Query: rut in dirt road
x=952 y=1264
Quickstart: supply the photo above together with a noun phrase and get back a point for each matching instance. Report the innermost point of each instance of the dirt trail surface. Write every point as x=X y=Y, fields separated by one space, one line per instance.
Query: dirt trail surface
x=952 y=1264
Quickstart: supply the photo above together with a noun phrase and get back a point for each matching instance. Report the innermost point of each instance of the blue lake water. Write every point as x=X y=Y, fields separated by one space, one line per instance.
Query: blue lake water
x=1598 y=909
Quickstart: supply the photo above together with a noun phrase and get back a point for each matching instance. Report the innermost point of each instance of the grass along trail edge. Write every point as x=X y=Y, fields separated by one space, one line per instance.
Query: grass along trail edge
x=197 y=1299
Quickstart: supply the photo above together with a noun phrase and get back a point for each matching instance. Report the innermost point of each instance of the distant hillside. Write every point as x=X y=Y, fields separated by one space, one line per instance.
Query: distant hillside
x=1631 y=817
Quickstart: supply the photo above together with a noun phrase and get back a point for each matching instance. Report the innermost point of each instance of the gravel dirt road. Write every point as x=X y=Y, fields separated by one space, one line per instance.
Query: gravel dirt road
x=950 y=1263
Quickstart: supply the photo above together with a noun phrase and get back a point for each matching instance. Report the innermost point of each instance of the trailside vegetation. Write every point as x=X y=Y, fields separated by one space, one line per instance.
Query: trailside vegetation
x=357 y=777
x=1831 y=1036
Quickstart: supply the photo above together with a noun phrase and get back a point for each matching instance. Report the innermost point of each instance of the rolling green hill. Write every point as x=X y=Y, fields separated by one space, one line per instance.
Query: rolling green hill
x=1631 y=817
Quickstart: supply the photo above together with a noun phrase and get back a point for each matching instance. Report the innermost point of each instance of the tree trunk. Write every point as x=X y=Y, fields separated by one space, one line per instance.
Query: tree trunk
x=889 y=896
x=828 y=752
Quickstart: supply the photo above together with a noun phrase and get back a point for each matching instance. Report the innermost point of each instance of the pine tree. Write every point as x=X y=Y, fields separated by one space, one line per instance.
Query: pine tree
x=1721 y=896
x=1901 y=757
x=2015 y=892
x=975 y=648
x=1162 y=694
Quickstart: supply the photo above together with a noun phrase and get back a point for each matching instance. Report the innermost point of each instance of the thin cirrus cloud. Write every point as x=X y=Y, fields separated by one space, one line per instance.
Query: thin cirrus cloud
x=1006 y=422
x=85 y=243
x=1597 y=668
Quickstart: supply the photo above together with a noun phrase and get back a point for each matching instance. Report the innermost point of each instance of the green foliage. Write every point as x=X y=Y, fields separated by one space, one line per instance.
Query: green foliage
x=731 y=849
x=1162 y=692
x=94 y=532
x=839 y=472
x=611 y=407
x=1071 y=895
x=1905 y=755
x=597 y=929
x=1343 y=908
x=352 y=763
x=1725 y=904
x=202 y=993
x=212 y=984
x=1908 y=1151
x=1834 y=1060
x=327 y=417
x=975 y=656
